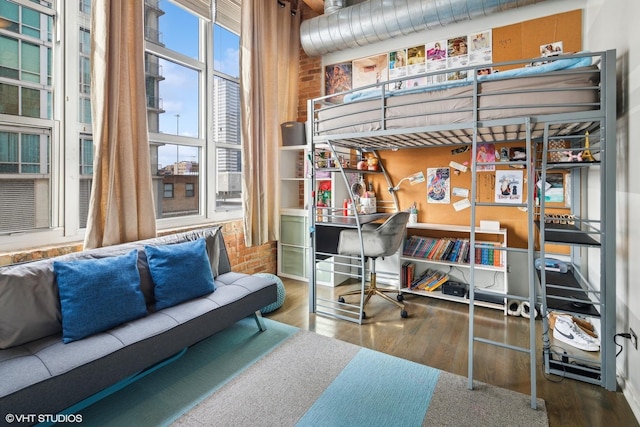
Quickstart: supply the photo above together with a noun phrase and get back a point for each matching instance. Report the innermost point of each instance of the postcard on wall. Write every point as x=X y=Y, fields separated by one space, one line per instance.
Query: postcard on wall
x=457 y=52
x=551 y=49
x=416 y=60
x=485 y=153
x=509 y=184
x=438 y=185
x=397 y=64
x=371 y=70
x=337 y=78
x=480 y=50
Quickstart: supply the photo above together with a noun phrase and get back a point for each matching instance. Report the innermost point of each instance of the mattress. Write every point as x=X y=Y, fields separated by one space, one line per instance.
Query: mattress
x=506 y=96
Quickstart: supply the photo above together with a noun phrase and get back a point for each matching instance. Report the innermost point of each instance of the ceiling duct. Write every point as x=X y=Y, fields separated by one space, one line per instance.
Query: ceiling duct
x=373 y=21
x=331 y=6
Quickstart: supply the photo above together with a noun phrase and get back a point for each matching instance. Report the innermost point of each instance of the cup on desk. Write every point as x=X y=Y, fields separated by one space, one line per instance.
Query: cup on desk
x=413 y=216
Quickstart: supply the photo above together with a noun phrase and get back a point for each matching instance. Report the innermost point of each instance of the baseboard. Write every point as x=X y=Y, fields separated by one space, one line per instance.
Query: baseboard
x=631 y=394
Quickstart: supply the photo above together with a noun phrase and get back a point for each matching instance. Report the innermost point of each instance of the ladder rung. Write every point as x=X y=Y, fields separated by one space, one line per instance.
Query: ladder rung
x=501 y=344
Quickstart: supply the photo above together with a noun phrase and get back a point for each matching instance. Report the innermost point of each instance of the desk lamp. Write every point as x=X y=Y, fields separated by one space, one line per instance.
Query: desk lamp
x=414 y=179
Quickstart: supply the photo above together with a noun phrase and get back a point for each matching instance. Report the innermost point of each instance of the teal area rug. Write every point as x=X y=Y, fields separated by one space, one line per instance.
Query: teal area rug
x=164 y=395
x=289 y=377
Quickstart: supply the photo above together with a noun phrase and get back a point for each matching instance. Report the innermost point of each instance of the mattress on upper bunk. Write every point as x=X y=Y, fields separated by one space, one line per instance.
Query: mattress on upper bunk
x=529 y=95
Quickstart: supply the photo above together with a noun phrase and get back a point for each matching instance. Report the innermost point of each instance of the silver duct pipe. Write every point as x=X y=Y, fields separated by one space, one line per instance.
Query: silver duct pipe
x=378 y=20
x=332 y=6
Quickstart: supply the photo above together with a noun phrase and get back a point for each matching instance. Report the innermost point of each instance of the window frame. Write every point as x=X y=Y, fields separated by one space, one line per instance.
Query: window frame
x=66 y=130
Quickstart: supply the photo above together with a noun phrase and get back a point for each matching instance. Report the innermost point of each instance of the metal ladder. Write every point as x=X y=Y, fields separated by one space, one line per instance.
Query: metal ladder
x=529 y=183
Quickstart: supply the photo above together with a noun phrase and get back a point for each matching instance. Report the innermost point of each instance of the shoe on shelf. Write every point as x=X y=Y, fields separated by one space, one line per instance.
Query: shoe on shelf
x=580 y=322
x=568 y=332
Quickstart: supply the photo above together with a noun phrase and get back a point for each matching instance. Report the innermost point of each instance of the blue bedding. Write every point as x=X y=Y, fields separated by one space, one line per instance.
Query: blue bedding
x=561 y=64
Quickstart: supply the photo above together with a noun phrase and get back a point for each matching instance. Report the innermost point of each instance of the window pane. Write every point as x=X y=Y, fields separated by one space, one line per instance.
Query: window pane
x=226 y=111
x=85 y=6
x=86 y=171
x=226 y=131
x=30 y=22
x=228 y=179
x=30 y=154
x=9 y=152
x=172 y=26
x=172 y=98
x=86 y=156
x=85 y=75
x=8 y=99
x=25 y=199
x=10 y=12
x=8 y=57
x=30 y=62
x=168 y=191
x=226 y=51
x=176 y=166
x=30 y=102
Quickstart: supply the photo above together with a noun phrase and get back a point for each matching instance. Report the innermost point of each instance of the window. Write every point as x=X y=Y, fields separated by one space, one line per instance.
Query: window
x=175 y=82
x=26 y=127
x=168 y=191
x=46 y=137
x=188 y=189
x=24 y=181
x=226 y=120
x=84 y=75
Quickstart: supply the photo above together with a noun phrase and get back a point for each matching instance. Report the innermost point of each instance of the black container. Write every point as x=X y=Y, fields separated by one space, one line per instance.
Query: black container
x=293 y=133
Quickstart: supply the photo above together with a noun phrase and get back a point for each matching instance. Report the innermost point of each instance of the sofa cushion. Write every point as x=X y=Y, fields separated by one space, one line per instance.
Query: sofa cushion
x=29 y=306
x=180 y=272
x=98 y=294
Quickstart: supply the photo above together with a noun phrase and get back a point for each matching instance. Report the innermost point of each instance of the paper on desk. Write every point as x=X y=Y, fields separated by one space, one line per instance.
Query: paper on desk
x=461 y=204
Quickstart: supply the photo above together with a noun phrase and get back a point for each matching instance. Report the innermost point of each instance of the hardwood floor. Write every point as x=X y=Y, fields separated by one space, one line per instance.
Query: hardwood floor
x=436 y=334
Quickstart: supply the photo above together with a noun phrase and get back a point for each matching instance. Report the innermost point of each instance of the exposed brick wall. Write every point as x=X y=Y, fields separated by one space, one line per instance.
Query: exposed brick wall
x=310 y=74
x=259 y=259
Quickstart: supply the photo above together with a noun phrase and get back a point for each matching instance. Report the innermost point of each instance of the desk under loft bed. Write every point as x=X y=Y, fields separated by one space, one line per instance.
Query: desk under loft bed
x=568 y=98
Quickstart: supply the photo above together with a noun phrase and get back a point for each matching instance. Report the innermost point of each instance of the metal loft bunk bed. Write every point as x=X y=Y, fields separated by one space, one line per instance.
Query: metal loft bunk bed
x=566 y=101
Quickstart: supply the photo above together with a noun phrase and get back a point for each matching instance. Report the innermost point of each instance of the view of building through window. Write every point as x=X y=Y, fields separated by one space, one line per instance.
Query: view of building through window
x=193 y=114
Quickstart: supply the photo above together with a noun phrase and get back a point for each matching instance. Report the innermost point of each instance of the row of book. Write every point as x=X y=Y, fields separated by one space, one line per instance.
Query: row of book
x=428 y=281
x=452 y=250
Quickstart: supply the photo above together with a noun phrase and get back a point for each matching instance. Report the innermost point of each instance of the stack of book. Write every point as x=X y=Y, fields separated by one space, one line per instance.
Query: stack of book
x=451 y=250
x=427 y=281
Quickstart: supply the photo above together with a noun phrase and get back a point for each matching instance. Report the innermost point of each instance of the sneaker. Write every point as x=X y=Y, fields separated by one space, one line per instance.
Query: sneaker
x=568 y=332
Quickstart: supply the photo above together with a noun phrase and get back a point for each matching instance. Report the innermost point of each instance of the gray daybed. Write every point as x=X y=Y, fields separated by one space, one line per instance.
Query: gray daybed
x=40 y=374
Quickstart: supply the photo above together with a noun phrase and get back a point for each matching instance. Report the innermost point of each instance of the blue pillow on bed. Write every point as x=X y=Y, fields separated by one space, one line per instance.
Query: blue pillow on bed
x=180 y=272
x=98 y=294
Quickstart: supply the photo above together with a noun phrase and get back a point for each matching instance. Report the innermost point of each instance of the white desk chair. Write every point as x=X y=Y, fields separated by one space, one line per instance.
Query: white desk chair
x=378 y=241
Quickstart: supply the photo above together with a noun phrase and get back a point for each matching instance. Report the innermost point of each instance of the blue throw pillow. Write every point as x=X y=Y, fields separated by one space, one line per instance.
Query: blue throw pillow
x=180 y=272
x=98 y=294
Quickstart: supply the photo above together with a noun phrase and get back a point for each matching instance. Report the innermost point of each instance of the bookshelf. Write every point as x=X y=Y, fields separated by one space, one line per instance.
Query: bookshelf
x=433 y=252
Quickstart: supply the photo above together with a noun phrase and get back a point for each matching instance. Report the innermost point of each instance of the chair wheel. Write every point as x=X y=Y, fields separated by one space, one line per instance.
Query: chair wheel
x=340 y=299
x=400 y=297
x=404 y=314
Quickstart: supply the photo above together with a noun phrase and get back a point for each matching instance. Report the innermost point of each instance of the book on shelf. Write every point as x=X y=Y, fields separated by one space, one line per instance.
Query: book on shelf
x=410 y=245
x=430 y=279
x=455 y=250
x=438 y=283
x=420 y=279
x=408 y=272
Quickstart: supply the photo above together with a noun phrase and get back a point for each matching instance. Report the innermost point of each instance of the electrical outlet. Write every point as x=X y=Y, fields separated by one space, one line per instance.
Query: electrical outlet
x=634 y=338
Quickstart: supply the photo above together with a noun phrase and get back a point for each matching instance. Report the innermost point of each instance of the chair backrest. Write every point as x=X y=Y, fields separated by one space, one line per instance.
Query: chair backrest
x=393 y=230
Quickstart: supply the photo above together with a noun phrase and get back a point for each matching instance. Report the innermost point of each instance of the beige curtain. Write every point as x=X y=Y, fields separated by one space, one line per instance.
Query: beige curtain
x=121 y=208
x=269 y=45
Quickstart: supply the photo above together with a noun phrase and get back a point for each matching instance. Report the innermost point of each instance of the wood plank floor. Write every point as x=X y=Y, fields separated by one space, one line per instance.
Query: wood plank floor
x=436 y=334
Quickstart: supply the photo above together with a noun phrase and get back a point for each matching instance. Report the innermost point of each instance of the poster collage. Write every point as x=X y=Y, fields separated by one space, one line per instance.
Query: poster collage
x=439 y=55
